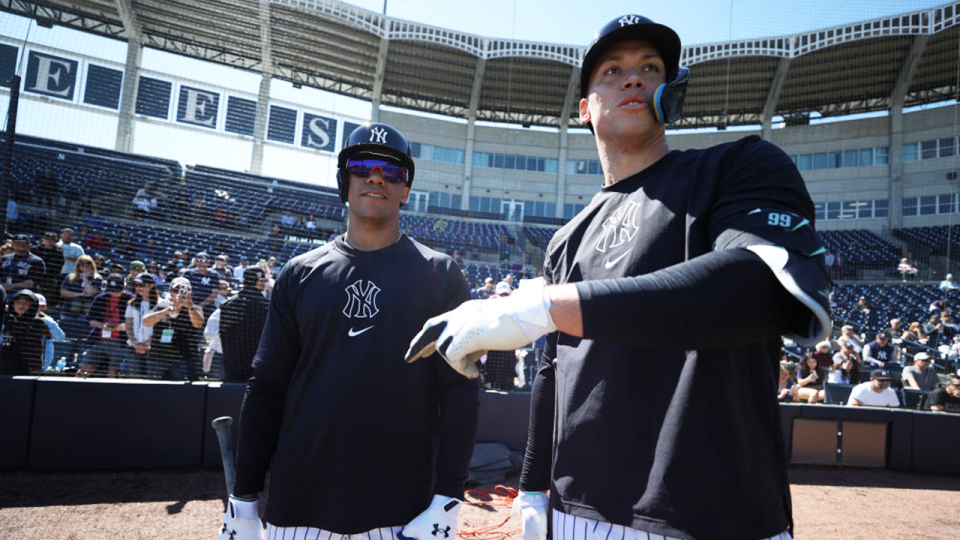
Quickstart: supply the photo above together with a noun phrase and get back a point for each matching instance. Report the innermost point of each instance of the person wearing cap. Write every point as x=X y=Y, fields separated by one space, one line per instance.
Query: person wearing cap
x=221 y=266
x=874 y=393
x=136 y=268
x=174 y=348
x=881 y=353
x=21 y=340
x=205 y=283
x=846 y=354
x=22 y=269
x=107 y=343
x=920 y=376
x=153 y=268
x=56 y=333
x=671 y=236
x=53 y=262
x=486 y=291
x=331 y=408
x=503 y=289
x=139 y=335
x=242 y=319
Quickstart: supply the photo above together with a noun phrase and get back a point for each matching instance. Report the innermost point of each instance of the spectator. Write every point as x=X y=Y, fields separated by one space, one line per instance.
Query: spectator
x=787 y=388
x=175 y=266
x=823 y=354
x=241 y=322
x=48 y=189
x=920 y=376
x=486 y=291
x=101 y=262
x=144 y=203
x=85 y=207
x=843 y=372
x=204 y=283
x=129 y=282
x=78 y=291
x=874 y=393
x=950 y=327
x=275 y=240
x=915 y=334
x=895 y=330
x=937 y=306
x=948 y=283
x=153 y=269
x=846 y=354
x=211 y=334
x=946 y=399
x=863 y=305
x=311 y=226
x=223 y=294
x=829 y=259
x=56 y=333
x=287 y=220
x=106 y=340
x=71 y=251
x=139 y=335
x=273 y=267
x=221 y=266
x=880 y=352
x=22 y=269
x=53 y=262
x=906 y=268
x=6 y=249
x=810 y=378
x=933 y=328
x=509 y=281
x=174 y=355
x=239 y=270
x=21 y=349
x=96 y=242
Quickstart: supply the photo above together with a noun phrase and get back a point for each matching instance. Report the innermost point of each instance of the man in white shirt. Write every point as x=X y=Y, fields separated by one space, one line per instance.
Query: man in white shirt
x=238 y=271
x=876 y=393
x=71 y=251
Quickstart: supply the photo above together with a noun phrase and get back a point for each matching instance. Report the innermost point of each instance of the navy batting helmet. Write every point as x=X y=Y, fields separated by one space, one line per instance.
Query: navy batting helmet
x=376 y=140
x=668 y=98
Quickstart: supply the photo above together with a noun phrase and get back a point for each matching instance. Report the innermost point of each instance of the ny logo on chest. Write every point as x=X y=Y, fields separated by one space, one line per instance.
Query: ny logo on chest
x=620 y=227
x=361 y=300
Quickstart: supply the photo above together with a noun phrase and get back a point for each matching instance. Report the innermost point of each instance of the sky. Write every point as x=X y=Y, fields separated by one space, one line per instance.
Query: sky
x=552 y=21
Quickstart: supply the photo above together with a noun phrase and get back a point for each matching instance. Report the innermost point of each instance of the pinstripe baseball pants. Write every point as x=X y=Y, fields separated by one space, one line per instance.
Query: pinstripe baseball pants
x=567 y=527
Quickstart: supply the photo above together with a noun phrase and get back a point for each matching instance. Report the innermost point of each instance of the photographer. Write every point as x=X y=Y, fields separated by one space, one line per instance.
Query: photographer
x=174 y=351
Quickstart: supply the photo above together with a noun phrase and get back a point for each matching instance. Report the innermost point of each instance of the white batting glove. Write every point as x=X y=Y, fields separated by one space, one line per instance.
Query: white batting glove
x=463 y=335
x=437 y=522
x=242 y=521
x=532 y=506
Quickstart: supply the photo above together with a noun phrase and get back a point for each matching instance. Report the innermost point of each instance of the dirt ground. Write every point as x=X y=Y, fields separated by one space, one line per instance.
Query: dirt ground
x=828 y=503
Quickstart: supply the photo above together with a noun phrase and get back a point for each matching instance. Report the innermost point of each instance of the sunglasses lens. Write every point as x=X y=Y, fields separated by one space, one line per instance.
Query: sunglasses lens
x=391 y=172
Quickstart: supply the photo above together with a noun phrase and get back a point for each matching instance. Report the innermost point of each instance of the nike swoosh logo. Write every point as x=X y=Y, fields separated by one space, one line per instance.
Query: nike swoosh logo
x=351 y=333
x=610 y=264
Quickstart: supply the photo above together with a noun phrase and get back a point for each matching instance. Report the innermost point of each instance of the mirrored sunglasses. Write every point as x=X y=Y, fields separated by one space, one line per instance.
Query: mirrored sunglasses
x=391 y=172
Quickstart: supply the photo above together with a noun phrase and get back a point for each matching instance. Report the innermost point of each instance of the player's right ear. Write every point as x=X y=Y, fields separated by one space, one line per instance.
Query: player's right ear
x=584 y=111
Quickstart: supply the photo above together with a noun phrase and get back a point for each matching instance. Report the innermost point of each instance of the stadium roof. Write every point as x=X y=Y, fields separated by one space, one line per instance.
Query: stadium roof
x=853 y=68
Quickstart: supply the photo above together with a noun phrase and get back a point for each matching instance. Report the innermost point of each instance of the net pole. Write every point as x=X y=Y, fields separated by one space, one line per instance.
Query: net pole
x=10 y=139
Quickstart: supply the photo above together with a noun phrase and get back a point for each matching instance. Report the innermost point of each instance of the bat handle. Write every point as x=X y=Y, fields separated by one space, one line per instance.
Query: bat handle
x=222 y=427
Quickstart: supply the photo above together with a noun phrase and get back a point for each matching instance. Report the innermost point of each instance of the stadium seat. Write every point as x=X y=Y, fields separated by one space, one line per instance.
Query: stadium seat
x=837 y=394
x=913 y=399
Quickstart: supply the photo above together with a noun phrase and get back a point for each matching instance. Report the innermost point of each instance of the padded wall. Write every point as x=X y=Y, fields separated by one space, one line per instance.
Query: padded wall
x=105 y=424
x=16 y=408
x=223 y=399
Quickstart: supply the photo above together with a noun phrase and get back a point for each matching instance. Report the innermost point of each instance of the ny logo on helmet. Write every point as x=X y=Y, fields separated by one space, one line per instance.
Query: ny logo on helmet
x=378 y=135
x=361 y=300
x=627 y=20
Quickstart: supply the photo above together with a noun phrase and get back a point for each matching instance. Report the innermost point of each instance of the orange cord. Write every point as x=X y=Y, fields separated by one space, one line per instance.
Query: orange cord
x=498 y=496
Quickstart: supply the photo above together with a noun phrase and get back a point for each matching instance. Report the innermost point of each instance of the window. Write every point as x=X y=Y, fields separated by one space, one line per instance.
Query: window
x=866 y=157
x=551 y=165
x=865 y=209
x=928 y=205
x=806 y=162
x=910 y=152
x=478 y=160
x=945 y=204
x=461 y=158
x=571 y=166
x=881 y=208
x=498 y=161
x=909 y=206
x=821 y=211
x=550 y=209
x=820 y=161
x=511 y=162
x=415 y=149
x=928 y=150
x=947 y=147
x=833 y=210
x=850 y=158
x=848 y=210
x=594 y=167
x=880 y=155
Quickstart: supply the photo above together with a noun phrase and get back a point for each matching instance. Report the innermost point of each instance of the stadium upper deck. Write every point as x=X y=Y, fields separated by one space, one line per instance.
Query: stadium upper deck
x=903 y=60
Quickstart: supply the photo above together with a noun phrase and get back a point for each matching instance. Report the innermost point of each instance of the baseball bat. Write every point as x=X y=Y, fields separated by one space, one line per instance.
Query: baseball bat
x=222 y=427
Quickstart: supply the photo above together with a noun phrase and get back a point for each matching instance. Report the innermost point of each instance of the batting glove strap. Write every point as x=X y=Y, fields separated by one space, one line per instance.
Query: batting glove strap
x=537 y=500
x=437 y=522
x=243 y=508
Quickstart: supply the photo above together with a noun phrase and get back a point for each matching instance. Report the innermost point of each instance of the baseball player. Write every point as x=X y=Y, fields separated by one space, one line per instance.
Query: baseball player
x=667 y=297
x=331 y=408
